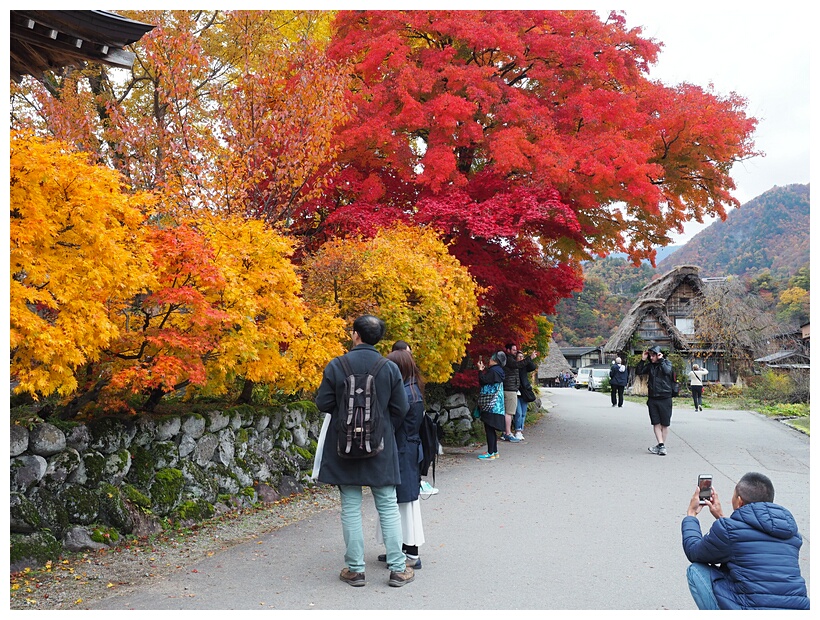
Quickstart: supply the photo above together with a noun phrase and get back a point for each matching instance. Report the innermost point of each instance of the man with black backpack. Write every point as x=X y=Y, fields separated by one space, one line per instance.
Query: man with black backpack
x=364 y=393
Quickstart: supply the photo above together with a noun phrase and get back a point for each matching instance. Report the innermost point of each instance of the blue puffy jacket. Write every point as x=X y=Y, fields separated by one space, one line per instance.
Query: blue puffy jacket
x=757 y=549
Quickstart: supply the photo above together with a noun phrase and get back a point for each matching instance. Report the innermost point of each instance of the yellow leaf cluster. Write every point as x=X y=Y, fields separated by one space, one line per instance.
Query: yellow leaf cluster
x=406 y=276
x=271 y=335
x=77 y=256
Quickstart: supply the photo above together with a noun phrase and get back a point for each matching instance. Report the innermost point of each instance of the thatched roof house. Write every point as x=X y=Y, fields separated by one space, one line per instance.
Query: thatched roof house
x=553 y=365
x=661 y=315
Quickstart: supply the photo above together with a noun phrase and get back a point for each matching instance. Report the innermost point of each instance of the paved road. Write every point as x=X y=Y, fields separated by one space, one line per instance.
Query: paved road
x=579 y=516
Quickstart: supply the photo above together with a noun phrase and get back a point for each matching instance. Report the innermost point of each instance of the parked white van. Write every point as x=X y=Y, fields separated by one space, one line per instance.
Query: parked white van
x=596 y=379
x=582 y=378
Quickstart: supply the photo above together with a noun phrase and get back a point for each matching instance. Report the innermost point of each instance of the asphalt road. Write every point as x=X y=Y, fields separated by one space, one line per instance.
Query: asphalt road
x=580 y=516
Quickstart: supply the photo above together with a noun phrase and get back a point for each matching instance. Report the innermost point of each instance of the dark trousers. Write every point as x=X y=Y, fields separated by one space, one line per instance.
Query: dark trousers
x=617 y=395
x=697 y=394
x=492 y=439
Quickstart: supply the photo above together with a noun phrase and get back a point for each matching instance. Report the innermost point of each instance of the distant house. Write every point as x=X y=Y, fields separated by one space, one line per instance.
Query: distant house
x=663 y=315
x=552 y=366
x=787 y=359
x=578 y=357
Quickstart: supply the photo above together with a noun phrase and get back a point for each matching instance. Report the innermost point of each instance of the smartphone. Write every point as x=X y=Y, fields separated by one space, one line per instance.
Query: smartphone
x=705 y=486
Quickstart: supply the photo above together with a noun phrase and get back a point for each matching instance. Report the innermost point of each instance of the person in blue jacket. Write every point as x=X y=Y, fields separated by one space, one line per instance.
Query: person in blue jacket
x=748 y=560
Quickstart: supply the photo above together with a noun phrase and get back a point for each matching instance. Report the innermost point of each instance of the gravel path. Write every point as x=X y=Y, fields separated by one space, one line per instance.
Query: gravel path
x=80 y=578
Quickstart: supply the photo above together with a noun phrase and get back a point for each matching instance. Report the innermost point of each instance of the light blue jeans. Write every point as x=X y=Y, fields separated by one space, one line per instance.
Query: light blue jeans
x=700 y=585
x=520 y=415
x=389 y=518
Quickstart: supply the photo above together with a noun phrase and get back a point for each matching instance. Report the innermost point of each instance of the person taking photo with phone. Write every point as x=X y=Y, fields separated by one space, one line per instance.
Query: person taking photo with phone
x=748 y=560
x=659 y=401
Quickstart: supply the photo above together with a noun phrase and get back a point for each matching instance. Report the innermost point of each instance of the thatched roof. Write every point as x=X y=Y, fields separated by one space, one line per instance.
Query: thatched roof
x=554 y=364
x=652 y=301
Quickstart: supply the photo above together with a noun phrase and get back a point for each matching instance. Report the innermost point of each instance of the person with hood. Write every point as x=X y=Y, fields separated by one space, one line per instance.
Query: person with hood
x=618 y=378
x=659 y=400
x=748 y=560
x=491 y=381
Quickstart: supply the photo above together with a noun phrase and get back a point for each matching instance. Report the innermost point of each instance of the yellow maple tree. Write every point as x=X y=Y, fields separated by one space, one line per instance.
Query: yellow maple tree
x=270 y=334
x=77 y=257
x=406 y=276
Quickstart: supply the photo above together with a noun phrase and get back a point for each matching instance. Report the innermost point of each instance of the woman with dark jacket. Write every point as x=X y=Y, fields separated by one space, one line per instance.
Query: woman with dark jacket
x=408 y=442
x=495 y=419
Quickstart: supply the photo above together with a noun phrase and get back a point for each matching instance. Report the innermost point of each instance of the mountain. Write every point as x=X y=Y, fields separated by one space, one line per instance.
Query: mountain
x=770 y=232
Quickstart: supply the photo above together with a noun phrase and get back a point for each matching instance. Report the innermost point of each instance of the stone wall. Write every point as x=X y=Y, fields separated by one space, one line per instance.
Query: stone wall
x=83 y=486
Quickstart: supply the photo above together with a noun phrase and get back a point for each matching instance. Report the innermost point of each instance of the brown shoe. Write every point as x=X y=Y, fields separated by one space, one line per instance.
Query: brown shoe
x=354 y=579
x=397 y=580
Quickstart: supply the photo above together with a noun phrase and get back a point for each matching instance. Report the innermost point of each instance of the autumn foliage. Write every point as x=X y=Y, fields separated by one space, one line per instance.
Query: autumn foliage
x=533 y=139
x=406 y=276
x=450 y=169
x=77 y=258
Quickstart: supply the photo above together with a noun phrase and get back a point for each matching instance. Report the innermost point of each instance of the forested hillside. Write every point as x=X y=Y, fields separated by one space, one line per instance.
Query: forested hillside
x=765 y=243
x=768 y=232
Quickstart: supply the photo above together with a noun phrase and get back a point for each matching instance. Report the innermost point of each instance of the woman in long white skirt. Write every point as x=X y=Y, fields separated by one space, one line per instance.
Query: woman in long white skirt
x=409 y=445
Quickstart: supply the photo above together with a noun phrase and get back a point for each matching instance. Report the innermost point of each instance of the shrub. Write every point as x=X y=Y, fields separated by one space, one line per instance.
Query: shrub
x=772 y=387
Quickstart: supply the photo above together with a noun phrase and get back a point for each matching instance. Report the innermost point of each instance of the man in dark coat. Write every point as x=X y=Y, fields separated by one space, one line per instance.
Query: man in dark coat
x=748 y=560
x=659 y=401
x=618 y=378
x=379 y=472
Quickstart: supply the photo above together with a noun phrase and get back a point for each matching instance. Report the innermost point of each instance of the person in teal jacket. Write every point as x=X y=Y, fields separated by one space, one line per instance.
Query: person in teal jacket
x=748 y=560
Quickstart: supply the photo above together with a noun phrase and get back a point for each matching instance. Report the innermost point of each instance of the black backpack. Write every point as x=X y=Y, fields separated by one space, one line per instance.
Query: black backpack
x=361 y=425
x=430 y=433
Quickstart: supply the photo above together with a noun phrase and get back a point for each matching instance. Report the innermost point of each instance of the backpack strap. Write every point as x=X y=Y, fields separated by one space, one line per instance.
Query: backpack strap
x=371 y=392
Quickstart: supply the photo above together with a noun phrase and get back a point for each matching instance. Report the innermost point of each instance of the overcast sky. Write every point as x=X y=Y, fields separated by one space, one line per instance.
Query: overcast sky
x=760 y=51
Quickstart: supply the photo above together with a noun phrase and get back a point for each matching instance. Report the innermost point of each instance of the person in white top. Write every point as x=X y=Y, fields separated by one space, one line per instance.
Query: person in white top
x=696 y=377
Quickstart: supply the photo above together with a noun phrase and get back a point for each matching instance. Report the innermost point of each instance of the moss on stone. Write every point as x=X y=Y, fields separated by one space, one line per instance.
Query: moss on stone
x=94 y=467
x=24 y=512
x=135 y=496
x=104 y=534
x=196 y=509
x=142 y=467
x=33 y=550
x=81 y=504
x=112 y=507
x=166 y=490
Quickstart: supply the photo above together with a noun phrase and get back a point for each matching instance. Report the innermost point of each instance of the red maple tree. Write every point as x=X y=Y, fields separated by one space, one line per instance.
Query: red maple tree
x=531 y=139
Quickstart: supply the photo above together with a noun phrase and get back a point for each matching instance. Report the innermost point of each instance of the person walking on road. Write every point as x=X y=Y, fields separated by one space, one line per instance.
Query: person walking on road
x=526 y=395
x=491 y=380
x=696 y=377
x=380 y=472
x=748 y=560
x=618 y=377
x=408 y=442
x=659 y=401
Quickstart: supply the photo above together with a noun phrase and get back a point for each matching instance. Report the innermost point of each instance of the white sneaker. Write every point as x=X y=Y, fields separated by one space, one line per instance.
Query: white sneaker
x=519 y=435
x=426 y=489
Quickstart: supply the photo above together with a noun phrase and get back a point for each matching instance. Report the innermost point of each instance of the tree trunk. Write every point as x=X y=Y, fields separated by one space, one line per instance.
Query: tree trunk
x=247 y=392
x=78 y=402
x=153 y=400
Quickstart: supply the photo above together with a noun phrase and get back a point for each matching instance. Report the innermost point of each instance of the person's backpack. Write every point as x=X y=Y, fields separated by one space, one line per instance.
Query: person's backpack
x=430 y=433
x=362 y=422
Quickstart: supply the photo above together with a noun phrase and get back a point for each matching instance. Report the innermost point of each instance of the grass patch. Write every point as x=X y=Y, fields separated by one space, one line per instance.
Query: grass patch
x=794 y=415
